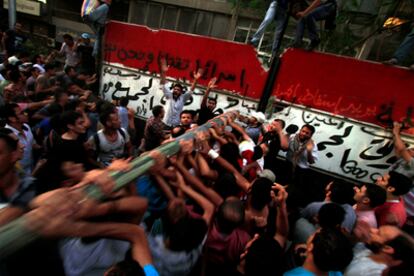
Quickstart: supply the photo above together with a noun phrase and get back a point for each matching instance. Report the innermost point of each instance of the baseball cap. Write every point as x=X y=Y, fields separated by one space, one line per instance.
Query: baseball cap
x=85 y=36
x=266 y=173
x=260 y=117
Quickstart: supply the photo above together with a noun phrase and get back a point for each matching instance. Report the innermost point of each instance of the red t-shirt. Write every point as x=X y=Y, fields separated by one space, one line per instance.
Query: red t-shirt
x=395 y=209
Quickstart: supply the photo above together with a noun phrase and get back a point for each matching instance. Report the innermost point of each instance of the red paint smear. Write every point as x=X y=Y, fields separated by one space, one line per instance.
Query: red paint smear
x=344 y=86
x=226 y=58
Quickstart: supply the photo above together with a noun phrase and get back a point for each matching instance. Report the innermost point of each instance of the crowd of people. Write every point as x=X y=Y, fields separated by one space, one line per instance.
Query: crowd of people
x=226 y=204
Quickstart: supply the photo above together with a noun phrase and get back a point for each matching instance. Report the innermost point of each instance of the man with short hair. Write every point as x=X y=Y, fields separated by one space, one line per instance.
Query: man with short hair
x=368 y=197
x=44 y=83
x=68 y=49
x=176 y=97
x=15 y=191
x=154 y=132
x=380 y=249
x=301 y=153
x=392 y=212
x=404 y=165
x=186 y=119
x=17 y=121
x=276 y=139
x=208 y=104
x=112 y=142
x=327 y=252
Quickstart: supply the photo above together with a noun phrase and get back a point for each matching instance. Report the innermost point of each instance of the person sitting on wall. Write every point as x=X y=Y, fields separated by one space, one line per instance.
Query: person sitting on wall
x=277 y=11
x=94 y=13
x=402 y=52
x=318 y=10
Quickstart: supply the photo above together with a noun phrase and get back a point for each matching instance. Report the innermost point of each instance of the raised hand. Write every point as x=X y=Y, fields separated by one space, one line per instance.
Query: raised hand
x=164 y=66
x=212 y=83
x=310 y=145
x=198 y=74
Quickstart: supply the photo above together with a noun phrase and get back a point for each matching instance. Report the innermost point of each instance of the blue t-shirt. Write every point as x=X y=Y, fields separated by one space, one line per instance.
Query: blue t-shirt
x=300 y=271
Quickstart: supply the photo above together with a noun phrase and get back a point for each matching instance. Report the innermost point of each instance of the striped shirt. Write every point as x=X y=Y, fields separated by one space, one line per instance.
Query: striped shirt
x=88 y=6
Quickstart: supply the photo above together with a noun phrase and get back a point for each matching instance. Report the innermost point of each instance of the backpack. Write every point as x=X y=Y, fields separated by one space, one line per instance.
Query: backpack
x=98 y=142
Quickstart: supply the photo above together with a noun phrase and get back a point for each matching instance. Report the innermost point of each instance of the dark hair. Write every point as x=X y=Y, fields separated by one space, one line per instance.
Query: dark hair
x=376 y=194
x=126 y=268
x=331 y=215
x=106 y=113
x=342 y=192
x=186 y=234
x=283 y=123
x=178 y=85
x=156 y=110
x=124 y=101
x=69 y=118
x=14 y=75
x=230 y=215
x=264 y=258
x=67 y=36
x=332 y=250
x=190 y=112
x=212 y=99
x=257 y=153
x=403 y=246
x=68 y=68
x=59 y=93
x=8 y=111
x=260 y=193
x=230 y=152
x=401 y=183
x=226 y=185
x=10 y=142
x=310 y=127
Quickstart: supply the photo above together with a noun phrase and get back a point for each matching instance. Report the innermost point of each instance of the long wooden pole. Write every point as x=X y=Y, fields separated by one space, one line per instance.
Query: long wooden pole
x=16 y=235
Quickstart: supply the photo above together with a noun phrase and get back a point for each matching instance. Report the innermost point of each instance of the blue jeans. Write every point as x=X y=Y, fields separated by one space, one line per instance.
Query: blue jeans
x=309 y=21
x=405 y=47
x=277 y=13
x=96 y=20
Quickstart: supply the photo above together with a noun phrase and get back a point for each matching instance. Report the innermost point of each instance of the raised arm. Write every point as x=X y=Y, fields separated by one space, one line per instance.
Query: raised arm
x=164 y=69
x=399 y=145
x=196 y=76
x=240 y=130
x=211 y=85
x=204 y=203
x=195 y=182
x=279 y=196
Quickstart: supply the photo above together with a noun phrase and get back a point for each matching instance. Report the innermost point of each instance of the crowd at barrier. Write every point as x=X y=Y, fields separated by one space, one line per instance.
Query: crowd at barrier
x=223 y=205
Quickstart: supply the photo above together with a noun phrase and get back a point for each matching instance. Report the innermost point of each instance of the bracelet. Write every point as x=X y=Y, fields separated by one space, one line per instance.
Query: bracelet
x=213 y=154
x=149 y=270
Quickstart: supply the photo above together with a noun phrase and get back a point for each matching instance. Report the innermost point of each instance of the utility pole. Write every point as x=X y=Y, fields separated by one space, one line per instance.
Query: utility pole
x=12 y=13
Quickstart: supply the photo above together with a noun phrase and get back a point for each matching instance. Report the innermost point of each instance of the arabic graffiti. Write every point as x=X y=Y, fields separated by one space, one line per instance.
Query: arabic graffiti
x=346 y=148
x=210 y=68
x=144 y=93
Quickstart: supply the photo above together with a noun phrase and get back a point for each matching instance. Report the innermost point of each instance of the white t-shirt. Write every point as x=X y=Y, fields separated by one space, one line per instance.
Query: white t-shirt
x=107 y=150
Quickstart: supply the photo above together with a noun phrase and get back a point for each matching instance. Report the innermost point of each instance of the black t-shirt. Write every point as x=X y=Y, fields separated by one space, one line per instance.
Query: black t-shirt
x=273 y=141
x=204 y=114
x=87 y=61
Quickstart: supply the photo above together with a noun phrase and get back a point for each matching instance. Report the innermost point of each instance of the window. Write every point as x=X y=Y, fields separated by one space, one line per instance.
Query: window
x=137 y=12
x=170 y=18
x=154 y=16
x=187 y=20
x=204 y=21
x=220 y=26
